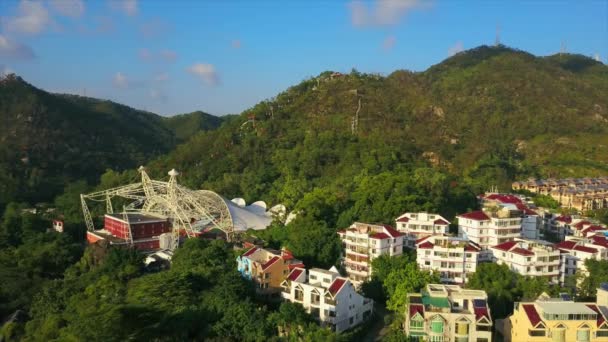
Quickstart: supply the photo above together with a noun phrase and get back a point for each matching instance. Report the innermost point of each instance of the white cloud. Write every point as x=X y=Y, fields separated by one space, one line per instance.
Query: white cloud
x=205 y=72
x=168 y=55
x=10 y=49
x=32 y=18
x=4 y=70
x=389 y=42
x=382 y=12
x=163 y=76
x=158 y=95
x=236 y=44
x=164 y=55
x=456 y=48
x=69 y=8
x=120 y=80
x=128 y=7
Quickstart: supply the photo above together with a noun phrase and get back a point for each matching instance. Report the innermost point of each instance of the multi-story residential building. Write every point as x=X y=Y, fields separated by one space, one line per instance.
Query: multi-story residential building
x=575 y=251
x=448 y=313
x=557 y=225
x=531 y=221
x=418 y=225
x=558 y=320
x=535 y=258
x=328 y=297
x=584 y=228
x=267 y=268
x=363 y=242
x=453 y=258
x=490 y=227
x=578 y=193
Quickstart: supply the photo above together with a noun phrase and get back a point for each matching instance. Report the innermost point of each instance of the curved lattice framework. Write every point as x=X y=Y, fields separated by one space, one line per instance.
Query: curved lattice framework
x=189 y=211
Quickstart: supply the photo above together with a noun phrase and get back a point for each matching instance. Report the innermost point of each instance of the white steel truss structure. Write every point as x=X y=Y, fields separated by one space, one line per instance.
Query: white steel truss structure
x=182 y=206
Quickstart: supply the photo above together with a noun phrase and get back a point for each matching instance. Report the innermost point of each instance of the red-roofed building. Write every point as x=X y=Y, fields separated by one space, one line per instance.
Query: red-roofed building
x=453 y=258
x=419 y=225
x=363 y=242
x=575 y=251
x=448 y=313
x=558 y=319
x=491 y=227
x=328 y=297
x=267 y=268
x=534 y=258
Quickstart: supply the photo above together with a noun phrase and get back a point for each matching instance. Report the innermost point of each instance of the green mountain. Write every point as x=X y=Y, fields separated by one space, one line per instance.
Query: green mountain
x=48 y=140
x=486 y=116
x=184 y=126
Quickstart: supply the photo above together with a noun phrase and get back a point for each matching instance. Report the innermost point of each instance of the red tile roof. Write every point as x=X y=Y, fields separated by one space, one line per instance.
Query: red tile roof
x=270 y=262
x=532 y=314
x=565 y=245
x=249 y=252
x=475 y=215
x=585 y=249
x=571 y=245
x=292 y=266
x=472 y=247
x=600 y=240
x=335 y=287
x=425 y=245
x=403 y=219
x=392 y=232
x=381 y=236
x=441 y=222
x=481 y=312
x=565 y=219
x=295 y=274
x=600 y=317
x=581 y=224
x=506 y=246
x=522 y=251
x=504 y=198
x=416 y=309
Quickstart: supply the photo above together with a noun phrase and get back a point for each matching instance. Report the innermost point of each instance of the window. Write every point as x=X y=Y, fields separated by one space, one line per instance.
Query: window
x=299 y=294
x=436 y=338
x=602 y=333
x=315 y=297
x=558 y=334
x=582 y=335
x=437 y=325
x=351 y=320
x=312 y=277
x=536 y=332
x=416 y=324
x=462 y=328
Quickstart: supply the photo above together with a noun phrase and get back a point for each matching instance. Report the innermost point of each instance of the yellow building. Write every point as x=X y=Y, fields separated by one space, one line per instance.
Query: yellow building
x=267 y=268
x=558 y=320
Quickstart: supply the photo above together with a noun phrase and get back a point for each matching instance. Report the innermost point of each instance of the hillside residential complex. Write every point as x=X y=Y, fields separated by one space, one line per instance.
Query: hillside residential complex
x=447 y=313
x=490 y=227
x=558 y=320
x=267 y=268
x=329 y=298
x=418 y=225
x=531 y=221
x=363 y=242
x=453 y=258
x=577 y=193
x=534 y=258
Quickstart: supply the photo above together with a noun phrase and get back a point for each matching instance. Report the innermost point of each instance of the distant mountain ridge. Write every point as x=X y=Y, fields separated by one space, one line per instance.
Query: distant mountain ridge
x=48 y=140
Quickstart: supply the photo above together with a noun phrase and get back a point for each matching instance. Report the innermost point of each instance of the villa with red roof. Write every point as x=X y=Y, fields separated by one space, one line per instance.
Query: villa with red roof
x=575 y=251
x=267 y=268
x=490 y=227
x=328 y=297
x=534 y=258
x=453 y=258
x=558 y=319
x=448 y=313
x=364 y=242
x=418 y=225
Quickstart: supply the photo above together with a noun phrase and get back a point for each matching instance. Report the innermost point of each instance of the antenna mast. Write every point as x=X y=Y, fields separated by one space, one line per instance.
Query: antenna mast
x=497 y=42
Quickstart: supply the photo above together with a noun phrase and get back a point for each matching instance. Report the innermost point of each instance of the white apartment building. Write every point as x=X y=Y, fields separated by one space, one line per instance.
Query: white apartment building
x=535 y=258
x=418 y=225
x=454 y=258
x=328 y=297
x=448 y=313
x=583 y=228
x=531 y=221
x=576 y=250
x=559 y=226
x=490 y=227
x=364 y=242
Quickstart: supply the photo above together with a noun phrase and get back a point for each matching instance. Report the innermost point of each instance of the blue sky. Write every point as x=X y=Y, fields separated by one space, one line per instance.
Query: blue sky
x=224 y=56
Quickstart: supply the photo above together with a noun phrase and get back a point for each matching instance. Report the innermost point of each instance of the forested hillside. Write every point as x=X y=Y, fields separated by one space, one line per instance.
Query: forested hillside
x=48 y=140
x=483 y=117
